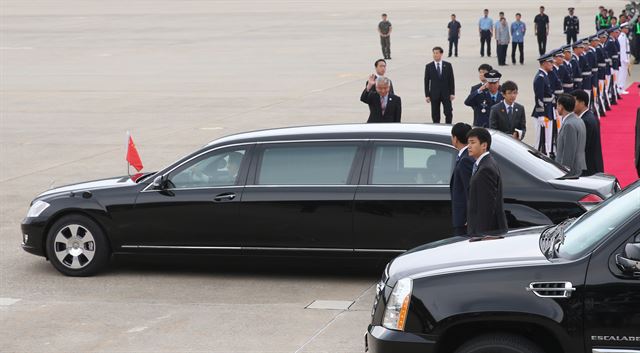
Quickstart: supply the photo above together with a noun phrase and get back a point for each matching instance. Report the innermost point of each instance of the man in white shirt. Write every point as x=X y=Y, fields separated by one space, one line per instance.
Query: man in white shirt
x=623 y=39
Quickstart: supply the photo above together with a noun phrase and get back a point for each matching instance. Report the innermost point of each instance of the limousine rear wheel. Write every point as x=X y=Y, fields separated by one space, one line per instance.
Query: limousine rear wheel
x=77 y=246
x=499 y=343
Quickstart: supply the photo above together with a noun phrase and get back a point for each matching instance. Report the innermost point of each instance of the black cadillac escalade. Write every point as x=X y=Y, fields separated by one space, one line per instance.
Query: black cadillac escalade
x=571 y=287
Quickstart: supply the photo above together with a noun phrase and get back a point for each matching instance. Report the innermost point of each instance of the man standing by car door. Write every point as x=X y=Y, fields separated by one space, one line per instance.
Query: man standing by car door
x=485 y=212
x=459 y=184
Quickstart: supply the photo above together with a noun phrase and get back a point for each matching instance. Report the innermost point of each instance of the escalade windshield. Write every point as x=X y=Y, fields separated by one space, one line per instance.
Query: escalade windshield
x=594 y=226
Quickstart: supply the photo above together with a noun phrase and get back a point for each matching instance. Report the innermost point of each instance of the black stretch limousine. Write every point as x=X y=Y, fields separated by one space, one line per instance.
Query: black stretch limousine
x=335 y=190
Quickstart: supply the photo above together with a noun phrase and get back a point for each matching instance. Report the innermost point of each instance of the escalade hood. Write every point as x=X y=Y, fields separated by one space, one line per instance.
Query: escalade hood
x=458 y=254
x=91 y=185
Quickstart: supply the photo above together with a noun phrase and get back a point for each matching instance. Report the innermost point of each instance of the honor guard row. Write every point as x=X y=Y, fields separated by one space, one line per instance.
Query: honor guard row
x=591 y=64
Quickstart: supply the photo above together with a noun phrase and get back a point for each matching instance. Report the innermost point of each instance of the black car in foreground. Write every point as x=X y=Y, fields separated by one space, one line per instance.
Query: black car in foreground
x=365 y=190
x=569 y=288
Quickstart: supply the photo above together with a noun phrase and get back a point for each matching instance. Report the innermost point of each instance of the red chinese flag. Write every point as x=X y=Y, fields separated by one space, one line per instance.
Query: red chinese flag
x=132 y=155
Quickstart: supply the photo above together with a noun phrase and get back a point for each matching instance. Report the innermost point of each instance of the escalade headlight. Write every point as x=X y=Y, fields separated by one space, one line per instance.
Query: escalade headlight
x=395 y=314
x=36 y=209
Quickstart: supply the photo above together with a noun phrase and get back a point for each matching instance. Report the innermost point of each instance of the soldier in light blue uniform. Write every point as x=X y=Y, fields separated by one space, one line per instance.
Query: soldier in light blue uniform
x=543 y=109
x=485 y=97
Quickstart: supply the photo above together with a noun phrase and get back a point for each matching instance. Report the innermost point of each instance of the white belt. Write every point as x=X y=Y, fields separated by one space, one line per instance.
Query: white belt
x=559 y=91
x=586 y=73
x=548 y=99
x=567 y=85
x=602 y=65
x=579 y=79
x=595 y=69
x=539 y=110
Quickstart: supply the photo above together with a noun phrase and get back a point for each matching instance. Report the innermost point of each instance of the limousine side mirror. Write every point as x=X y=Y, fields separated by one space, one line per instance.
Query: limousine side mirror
x=629 y=261
x=160 y=182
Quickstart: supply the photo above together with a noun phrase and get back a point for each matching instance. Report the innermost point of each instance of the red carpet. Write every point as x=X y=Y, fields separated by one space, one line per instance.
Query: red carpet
x=617 y=130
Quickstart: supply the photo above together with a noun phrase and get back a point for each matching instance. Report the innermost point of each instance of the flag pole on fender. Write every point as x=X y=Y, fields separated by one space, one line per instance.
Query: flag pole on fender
x=133 y=158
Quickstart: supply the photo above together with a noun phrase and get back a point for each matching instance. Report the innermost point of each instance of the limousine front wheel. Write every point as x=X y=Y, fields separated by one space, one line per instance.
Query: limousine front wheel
x=499 y=343
x=77 y=246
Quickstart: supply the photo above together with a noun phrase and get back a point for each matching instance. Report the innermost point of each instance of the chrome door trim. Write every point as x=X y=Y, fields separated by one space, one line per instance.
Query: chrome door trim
x=298 y=185
x=181 y=247
x=292 y=141
x=614 y=350
x=257 y=248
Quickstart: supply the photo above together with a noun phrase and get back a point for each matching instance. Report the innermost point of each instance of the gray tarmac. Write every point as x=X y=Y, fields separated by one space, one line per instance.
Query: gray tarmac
x=76 y=75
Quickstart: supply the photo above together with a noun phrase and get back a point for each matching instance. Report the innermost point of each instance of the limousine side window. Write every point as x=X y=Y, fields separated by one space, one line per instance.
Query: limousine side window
x=406 y=165
x=306 y=165
x=213 y=169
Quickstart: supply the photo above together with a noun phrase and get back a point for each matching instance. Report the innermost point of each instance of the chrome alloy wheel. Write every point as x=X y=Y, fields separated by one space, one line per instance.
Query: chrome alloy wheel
x=74 y=246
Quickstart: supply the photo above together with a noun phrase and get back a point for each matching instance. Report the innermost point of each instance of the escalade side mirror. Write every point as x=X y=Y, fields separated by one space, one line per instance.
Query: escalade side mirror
x=629 y=261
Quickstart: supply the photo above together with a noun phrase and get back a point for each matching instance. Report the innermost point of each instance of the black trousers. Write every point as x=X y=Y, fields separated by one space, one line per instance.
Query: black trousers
x=572 y=37
x=520 y=46
x=485 y=37
x=460 y=230
x=435 y=109
x=502 y=53
x=542 y=43
x=385 y=42
x=453 y=42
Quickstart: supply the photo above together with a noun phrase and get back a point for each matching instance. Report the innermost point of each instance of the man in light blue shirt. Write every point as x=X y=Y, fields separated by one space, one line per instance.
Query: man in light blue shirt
x=485 y=29
x=518 y=29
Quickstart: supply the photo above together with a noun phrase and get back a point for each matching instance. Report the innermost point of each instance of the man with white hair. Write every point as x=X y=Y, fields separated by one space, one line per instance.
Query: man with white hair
x=384 y=106
x=623 y=39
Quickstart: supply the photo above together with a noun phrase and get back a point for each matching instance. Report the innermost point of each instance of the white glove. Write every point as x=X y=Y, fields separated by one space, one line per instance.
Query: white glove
x=541 y=121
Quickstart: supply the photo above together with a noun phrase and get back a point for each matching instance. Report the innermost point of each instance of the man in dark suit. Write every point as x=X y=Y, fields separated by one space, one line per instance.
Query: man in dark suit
x=384 y=107
x=593 y=147
x=508 y=116
x=381 y=69
x=459 y=184
x=439 y=86
x=485 y=212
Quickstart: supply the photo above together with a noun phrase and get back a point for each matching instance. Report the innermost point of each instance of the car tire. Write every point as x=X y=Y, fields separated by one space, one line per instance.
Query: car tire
x=77 y=246
x=499 y=343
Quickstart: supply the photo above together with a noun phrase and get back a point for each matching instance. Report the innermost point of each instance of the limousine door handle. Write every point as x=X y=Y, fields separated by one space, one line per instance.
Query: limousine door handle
x=228 y=196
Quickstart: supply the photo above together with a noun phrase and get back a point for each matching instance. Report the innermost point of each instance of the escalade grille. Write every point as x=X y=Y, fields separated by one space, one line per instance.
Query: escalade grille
x=551 y=289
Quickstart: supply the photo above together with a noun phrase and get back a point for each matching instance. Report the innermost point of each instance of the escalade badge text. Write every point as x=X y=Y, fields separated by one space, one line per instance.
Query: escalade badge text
x=616 y=338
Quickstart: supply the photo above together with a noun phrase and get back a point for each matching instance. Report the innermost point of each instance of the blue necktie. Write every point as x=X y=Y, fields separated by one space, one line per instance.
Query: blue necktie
x=475 y=168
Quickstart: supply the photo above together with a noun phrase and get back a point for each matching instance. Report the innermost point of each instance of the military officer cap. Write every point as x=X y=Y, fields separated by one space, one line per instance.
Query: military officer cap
x=558 y=52
x=594 y=38
x=492 y=76
x=614 y=29
x=585 y=42
x=566 y=48
x=571 y=8
x=603 y=33
x=578 y=44
x=546 y=57
x=624 y=25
